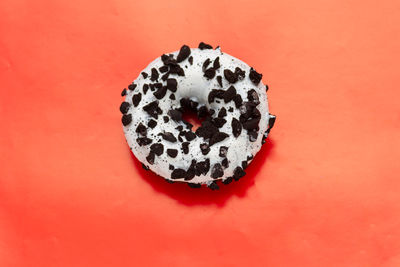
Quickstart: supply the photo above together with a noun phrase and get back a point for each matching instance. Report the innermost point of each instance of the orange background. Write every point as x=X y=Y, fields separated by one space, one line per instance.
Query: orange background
x=323 y=191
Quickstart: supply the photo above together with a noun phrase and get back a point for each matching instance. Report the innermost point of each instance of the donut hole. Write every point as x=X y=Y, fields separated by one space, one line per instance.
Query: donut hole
x=191 y=117
x=193 y=113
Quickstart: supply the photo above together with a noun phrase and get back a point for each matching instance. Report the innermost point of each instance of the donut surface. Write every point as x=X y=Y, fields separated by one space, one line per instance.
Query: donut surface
x=221 y=89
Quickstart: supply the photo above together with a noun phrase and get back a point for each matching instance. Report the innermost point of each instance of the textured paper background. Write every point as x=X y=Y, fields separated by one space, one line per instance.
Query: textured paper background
x=324 y=191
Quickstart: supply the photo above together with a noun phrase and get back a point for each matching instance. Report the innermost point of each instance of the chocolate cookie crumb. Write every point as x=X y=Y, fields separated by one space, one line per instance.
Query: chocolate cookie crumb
x=227 y=180
x=145 y=75
x=209 y=73
x=252 y=136
x=136 y=99
x=168 y=136
x=222 y=151
x=183 y=53
x=216 y=64
x=219 y=122
x=202 y=112
x=206 y=130
x=141 y=129
x=160 y=93
x=215 y=93
x=163 y=69
x=240 y=74
x=204 y=148
x=203 y=46
x=190 y=135
x=238 y=100
x=244 y=164
x=152 y=109
x=172 y=85
x=230 y=76
x=254 y=76
x=124 y=107
x=213 y=186
x=225 y=163
x=172 y=152
x=253 y=96
x=157 y=149
x=206 y=63
x=154 y=75
x=251 y=124
x=152 y=123
x=222 y=112
x=126 y=119
x=178 y=173
x=219 y=80
x=271 y=122
x=150 y=158
x=190 y=173
x=218 y=137
x=202 y=167
x=175 y=114
x=229 y=94
x=238 y=173
x=145 y=88
x=143 y=141
x=236 y=127
x=132 y=86
x=185 y=147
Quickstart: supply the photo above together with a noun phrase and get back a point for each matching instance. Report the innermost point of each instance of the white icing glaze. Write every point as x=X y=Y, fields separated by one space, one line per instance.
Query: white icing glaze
x=197 y=87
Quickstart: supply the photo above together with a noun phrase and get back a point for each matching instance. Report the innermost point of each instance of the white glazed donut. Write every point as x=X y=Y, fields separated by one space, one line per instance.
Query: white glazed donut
x=220 y=88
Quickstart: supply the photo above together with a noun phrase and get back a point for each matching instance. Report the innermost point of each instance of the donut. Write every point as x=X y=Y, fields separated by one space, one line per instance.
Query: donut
x=226 y=93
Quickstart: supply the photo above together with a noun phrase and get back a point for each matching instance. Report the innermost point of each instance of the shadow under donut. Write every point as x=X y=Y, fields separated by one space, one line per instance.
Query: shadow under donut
x=205 y=196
